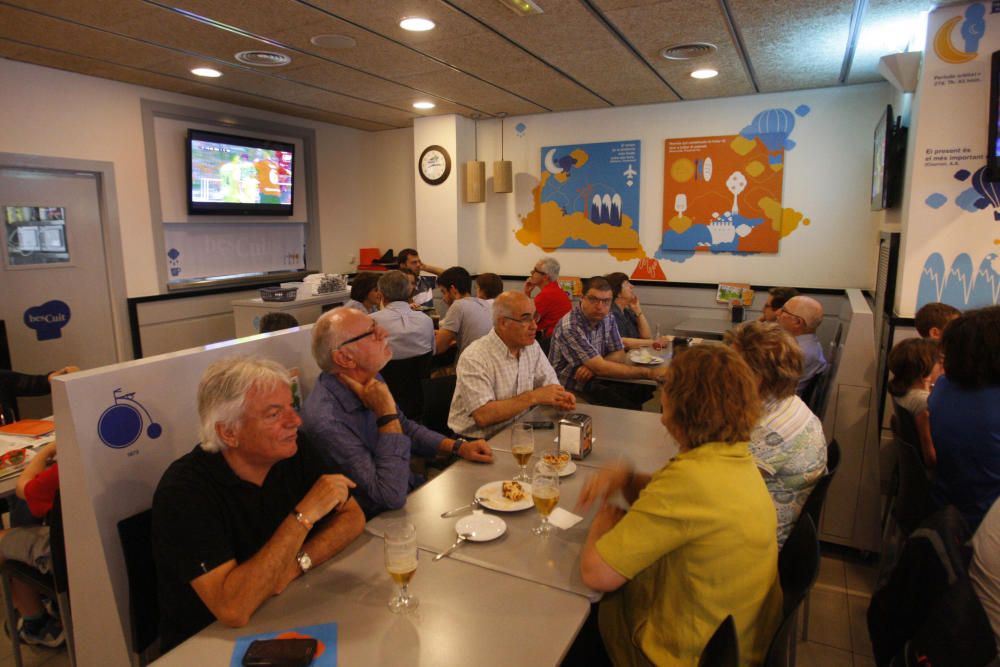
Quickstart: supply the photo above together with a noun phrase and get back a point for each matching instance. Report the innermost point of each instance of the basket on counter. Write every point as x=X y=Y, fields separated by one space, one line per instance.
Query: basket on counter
x=278 y=293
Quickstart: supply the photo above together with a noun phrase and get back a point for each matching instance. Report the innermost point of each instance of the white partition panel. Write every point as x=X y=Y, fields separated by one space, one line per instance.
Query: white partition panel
x=119 y=427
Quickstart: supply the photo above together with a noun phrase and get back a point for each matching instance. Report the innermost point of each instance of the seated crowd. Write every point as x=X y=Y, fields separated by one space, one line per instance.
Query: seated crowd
x=277 y=492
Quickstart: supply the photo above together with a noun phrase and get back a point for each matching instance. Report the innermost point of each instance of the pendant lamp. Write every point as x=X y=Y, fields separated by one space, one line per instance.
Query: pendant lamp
x=475 y=175
x=503 y=170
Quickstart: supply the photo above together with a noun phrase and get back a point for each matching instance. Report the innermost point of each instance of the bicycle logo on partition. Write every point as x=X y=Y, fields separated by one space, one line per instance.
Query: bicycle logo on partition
x=121 y=424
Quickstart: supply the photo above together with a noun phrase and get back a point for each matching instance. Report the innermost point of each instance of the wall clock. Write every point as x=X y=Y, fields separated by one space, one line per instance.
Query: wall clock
x=434 y=165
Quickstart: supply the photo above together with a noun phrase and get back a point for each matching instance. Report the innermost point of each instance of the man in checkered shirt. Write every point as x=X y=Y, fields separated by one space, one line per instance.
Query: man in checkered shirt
x=587 y=348
x=504 y=374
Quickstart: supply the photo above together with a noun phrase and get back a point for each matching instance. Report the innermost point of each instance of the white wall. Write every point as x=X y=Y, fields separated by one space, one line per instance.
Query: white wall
x=61 y=114
x=950 y=244
x=827 y=176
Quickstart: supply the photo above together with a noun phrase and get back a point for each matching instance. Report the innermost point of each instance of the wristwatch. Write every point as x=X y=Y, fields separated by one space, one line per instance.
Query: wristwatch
x=305 y=562
x=457 y=446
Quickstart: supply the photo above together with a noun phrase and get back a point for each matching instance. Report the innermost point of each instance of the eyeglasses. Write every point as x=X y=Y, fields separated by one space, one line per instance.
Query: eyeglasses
x=527 y=318
x=593 y=300
x=537 y=271
x=370 y=332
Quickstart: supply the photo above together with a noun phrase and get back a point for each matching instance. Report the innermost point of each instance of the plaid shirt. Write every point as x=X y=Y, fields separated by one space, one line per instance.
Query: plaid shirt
x=575 y=340
x=487 y=371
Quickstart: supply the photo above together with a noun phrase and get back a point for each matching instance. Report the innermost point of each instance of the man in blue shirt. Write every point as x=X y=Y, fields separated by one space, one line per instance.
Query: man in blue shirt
x=411 y=332
x=351 y=417
x=801 y=316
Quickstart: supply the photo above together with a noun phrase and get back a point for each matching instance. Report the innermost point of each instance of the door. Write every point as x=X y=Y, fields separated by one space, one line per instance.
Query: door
x=56 y=300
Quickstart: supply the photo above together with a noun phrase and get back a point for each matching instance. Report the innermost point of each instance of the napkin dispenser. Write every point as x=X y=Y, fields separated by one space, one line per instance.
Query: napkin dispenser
x=576 y=434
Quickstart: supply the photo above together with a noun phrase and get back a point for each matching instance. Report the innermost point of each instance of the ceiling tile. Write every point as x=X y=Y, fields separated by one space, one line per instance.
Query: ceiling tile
x=888 y=27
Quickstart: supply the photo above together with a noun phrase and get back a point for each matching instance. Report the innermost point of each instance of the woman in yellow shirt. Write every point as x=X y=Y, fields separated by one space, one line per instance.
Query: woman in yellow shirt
x=698 y=542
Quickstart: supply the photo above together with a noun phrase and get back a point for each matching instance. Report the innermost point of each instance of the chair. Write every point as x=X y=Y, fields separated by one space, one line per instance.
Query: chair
x=798 y=567
x=54 y=585
x=404 y=377
x=723 y=649
x=814 y=508
x=136 y=535
x=438 y=393
x=913 y=499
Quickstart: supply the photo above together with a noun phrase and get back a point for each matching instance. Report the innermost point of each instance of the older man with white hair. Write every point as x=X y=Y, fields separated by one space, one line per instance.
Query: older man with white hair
x=352 y=417
x=801 y=316
x=551 y=302
x=504 y=374
x=248 y=510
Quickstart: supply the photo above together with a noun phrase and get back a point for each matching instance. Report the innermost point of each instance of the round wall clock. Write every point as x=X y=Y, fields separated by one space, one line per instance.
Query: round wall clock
x=434 y=165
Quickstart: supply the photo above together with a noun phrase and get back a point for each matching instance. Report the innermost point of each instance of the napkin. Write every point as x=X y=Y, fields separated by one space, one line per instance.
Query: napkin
x=560 y=518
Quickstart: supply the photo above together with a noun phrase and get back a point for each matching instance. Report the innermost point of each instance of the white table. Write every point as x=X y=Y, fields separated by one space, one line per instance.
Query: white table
x=467 y=615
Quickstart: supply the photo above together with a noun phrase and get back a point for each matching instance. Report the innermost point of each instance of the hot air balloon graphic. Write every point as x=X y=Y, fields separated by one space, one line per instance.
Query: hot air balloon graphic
x=988 y=190
x=772 y=127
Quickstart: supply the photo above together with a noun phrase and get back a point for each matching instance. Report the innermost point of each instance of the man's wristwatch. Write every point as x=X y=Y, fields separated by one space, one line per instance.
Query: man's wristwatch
x=305 y=562
x=457 y=446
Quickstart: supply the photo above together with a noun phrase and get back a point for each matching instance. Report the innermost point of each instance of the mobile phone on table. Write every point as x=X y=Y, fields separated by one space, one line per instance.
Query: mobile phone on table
x=540 y=425
x=297 y=652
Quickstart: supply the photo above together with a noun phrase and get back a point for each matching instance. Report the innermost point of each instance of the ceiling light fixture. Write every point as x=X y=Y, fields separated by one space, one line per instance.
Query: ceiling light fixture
x=332 y=41
x=704 y=74
x=416 y=24
x=522 y=7
x=206 y=72
x=423 y=105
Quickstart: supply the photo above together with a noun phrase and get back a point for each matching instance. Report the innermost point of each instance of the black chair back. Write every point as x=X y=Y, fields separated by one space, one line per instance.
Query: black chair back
x=136 y=535
x=438 y=393
x=404 y=377
x=814 y=503
x=798 y=567
x=913 y=499
x=904 y=425
x=57 y=546
x=723 y=649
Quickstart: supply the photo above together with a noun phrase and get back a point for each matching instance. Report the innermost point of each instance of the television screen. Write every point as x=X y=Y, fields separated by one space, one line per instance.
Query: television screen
x=993 y=148
x=881 y=160
x=238 y=175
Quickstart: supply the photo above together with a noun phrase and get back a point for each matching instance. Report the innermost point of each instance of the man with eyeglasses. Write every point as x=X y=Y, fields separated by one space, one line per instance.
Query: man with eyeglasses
x=586 y=343
x=504 y=374
x=352 y=418
x=776 y=298
x=551 y=303
x=801 y=316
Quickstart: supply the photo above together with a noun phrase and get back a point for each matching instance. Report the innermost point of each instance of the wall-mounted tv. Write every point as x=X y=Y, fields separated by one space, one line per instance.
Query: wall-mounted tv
x=993 y=148
x=887 y=161
x=230 y=175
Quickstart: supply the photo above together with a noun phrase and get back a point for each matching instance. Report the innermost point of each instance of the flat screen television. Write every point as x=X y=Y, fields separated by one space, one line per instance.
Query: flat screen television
x=887 y=160
x=993 y=148
x=231 y=175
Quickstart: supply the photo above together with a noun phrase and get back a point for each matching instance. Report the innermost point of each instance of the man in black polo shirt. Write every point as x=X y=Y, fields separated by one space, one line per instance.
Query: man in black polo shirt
x=233 y=520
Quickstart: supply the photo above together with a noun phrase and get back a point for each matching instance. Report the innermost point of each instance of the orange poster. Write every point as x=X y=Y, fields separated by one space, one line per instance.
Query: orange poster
x=721 y=194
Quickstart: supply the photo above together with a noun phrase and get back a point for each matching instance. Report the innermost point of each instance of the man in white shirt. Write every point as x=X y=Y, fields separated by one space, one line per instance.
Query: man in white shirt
x=411 y=332
x=468 y=317
x=504 y=374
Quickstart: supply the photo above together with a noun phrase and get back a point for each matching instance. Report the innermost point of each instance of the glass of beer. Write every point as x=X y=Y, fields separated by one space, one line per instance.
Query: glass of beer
x=522 y=446
x=545 y=493
x=401 y=562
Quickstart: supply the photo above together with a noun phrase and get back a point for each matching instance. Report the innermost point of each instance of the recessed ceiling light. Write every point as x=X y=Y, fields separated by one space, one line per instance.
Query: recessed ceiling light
x=206 y=72
x=423 y=105
x=334 y=41
x=416 y=24
x=522 y=7
x=704 y=73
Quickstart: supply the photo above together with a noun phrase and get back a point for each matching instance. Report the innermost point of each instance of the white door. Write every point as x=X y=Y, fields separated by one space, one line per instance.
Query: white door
x=53 y=275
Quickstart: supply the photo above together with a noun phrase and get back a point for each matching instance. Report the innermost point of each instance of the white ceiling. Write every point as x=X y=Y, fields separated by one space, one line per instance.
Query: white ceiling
x=480 y=59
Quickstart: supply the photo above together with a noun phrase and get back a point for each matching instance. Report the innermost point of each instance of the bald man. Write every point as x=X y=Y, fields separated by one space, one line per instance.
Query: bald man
x=351 y=417
x=504 y=374
x=801 y=316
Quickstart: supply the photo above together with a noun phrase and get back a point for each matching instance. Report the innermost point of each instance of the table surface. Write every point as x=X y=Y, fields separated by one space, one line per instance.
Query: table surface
x=704 y=326
x=464 y=611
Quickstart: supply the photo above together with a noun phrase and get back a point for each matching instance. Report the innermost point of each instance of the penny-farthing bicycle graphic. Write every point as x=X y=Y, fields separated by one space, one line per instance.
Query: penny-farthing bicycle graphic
x=121 y=424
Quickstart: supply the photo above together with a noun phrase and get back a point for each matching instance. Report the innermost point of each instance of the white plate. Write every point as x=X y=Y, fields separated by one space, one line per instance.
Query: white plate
x=637 y=357
x=485 y=526
x=492 y=495
x=568 y=469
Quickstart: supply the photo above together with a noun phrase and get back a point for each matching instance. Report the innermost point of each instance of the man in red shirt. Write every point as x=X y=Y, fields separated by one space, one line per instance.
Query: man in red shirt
x=551 y=303
x=37 y=485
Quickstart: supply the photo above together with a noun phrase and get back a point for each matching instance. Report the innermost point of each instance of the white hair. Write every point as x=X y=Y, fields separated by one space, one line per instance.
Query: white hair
x=550 y=267
x=223 y=390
